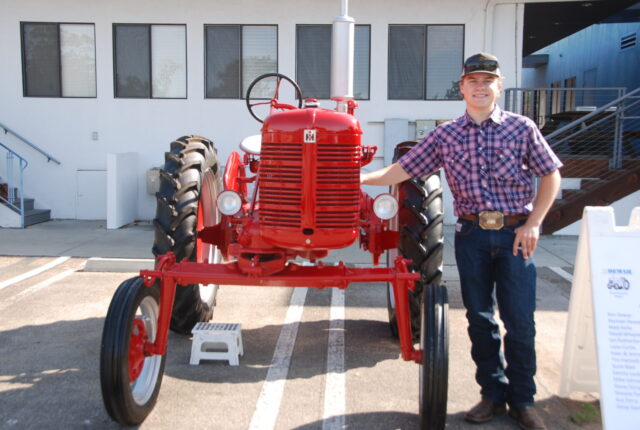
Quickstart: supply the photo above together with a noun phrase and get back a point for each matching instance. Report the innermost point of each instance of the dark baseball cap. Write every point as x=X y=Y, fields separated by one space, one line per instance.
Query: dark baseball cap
x=481 y=63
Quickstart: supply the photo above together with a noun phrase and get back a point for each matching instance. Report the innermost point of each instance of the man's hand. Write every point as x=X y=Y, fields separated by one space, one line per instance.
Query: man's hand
x=528 y=234
x=526 y=239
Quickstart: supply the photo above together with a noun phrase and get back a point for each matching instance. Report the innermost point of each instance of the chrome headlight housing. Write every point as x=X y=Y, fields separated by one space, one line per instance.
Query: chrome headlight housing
x=229 y=202
x=385 y=206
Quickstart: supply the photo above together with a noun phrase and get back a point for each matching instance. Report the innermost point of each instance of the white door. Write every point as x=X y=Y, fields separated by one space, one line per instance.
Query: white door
x=91 y=194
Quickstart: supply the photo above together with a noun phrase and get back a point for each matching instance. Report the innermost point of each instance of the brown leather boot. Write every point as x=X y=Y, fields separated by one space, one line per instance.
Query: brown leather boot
x=485 y=411
x=527 y=418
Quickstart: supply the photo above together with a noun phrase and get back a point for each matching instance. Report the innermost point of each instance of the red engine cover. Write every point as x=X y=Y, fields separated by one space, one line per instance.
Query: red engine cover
x=310 y=179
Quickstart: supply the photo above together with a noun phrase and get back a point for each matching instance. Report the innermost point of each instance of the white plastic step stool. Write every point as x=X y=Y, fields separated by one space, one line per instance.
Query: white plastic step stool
x=208 y=336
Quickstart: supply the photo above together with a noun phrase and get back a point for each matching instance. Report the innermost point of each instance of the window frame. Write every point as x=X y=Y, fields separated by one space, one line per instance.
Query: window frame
x=115 y=65
x=24 y=59
x=241 y=65
x=424 y=62
x=369 y=54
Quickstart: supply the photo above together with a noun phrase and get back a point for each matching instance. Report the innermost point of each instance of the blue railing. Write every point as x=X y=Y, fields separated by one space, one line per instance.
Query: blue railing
x=14 y=178
x=35 y=147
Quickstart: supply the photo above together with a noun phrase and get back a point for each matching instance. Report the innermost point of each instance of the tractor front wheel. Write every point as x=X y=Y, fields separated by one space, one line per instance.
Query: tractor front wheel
x=189 y=186
x=434 y=372
x=130 y=380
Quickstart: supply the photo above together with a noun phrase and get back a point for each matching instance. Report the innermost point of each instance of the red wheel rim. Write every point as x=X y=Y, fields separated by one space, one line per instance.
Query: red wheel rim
x=136 y=349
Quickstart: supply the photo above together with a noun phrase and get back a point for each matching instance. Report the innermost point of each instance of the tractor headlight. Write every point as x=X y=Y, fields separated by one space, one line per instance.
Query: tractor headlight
x=229 y=202
x=385 y=206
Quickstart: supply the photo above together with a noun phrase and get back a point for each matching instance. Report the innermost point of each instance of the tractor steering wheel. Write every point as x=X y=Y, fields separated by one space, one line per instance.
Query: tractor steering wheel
x=273 y=103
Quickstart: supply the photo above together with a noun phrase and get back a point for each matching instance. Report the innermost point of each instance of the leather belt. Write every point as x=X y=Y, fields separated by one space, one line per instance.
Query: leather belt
x=494 y=220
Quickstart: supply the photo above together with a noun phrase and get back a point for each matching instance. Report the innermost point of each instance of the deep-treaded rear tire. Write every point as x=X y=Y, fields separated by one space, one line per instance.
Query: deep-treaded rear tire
x=189 y=186
x=421 y=237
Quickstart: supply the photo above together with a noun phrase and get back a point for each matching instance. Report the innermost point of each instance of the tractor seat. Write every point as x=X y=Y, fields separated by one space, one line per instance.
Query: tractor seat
x=252 y=144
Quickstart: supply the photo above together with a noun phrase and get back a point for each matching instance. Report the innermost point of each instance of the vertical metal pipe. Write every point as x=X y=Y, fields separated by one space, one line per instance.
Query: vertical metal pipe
x=22 y=166
x=617 y=137
x=10 y=186
x=342 y=47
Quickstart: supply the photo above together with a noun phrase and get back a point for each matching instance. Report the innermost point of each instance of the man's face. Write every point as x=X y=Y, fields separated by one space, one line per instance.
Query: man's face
x=480 y=90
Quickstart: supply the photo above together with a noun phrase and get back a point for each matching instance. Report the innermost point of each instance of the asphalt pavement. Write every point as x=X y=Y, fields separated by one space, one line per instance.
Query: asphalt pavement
x=101 y=258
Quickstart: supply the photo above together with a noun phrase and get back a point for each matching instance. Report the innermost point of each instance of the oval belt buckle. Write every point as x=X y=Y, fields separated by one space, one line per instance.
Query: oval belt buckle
x=491 y=220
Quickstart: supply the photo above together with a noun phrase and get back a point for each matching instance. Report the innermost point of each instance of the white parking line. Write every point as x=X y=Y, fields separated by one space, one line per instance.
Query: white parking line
x=35 y=288
x=334 y=392
x=562 y=273
x=33 y=272
x=268 y=404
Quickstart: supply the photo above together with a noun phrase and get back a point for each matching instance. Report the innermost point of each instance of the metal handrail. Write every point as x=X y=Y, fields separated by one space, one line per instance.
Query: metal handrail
x=590 y=115
x=621 y=106
x=11 y=189
x=582 y=130
x=565 y=89
x=49 y=156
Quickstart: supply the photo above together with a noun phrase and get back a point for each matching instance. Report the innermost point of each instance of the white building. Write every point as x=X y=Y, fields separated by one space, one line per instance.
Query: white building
x=59 y=89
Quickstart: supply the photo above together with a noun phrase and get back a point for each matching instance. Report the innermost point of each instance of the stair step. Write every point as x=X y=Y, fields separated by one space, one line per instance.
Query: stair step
x=587 y=184
x=569 y=195
x=36 y=216
x=614 y=185
x=28 y=205
x=576 y=167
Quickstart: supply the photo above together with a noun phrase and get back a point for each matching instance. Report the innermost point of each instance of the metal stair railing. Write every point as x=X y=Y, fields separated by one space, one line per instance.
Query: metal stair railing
x=49 y=157
x=14 y=180
x=553 y=107
x=606 y=139
x=600 y=142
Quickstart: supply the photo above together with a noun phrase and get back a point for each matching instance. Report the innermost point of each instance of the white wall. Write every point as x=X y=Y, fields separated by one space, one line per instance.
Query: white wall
x=64 y=127
x=122 y=188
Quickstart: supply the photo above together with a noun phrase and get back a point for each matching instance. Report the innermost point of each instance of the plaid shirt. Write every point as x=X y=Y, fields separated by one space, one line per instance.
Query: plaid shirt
x=488 y=166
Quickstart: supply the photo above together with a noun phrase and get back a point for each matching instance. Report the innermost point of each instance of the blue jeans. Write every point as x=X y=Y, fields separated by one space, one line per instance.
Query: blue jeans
x=486 y=263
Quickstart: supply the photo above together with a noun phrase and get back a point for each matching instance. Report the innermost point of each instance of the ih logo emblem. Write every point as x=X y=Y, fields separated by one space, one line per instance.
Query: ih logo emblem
x=310 y=136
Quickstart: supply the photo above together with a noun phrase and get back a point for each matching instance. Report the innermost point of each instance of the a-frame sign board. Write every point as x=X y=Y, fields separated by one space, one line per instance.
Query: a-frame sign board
x=605 y=301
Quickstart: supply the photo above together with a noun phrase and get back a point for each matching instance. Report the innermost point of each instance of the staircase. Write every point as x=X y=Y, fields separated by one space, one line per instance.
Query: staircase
x=600 y=150
x=16 y=210
x=31 y=215
x=607 y=187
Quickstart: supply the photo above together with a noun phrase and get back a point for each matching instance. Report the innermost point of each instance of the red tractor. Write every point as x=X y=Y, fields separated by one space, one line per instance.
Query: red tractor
x=292 y=193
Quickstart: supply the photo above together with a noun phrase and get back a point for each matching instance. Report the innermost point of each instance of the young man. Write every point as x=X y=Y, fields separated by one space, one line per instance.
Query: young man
x=489 y=156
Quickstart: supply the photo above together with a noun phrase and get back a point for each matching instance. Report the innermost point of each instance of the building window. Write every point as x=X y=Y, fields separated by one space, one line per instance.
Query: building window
x=236 y=55
x=313 y=61
x=58 y=60
x=425 y=61
x=150 y=61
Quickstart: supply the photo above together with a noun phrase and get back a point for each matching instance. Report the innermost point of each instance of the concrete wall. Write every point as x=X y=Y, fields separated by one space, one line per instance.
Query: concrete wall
x=65 y=127
x=122 y=188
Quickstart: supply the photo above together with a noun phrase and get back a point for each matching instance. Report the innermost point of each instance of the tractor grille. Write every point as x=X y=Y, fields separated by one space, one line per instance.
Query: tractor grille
x=281 y=184
x=336 y=185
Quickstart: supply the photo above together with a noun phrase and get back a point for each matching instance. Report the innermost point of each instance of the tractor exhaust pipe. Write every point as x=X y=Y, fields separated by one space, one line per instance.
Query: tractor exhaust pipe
x=342 y=46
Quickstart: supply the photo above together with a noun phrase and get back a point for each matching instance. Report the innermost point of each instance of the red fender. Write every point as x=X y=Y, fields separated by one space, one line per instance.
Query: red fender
x=233 y=171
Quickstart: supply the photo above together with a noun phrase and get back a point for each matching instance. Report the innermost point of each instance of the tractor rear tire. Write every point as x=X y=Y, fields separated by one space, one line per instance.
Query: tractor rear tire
x=130 y=381
x=421 y=238
x=189 y=186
